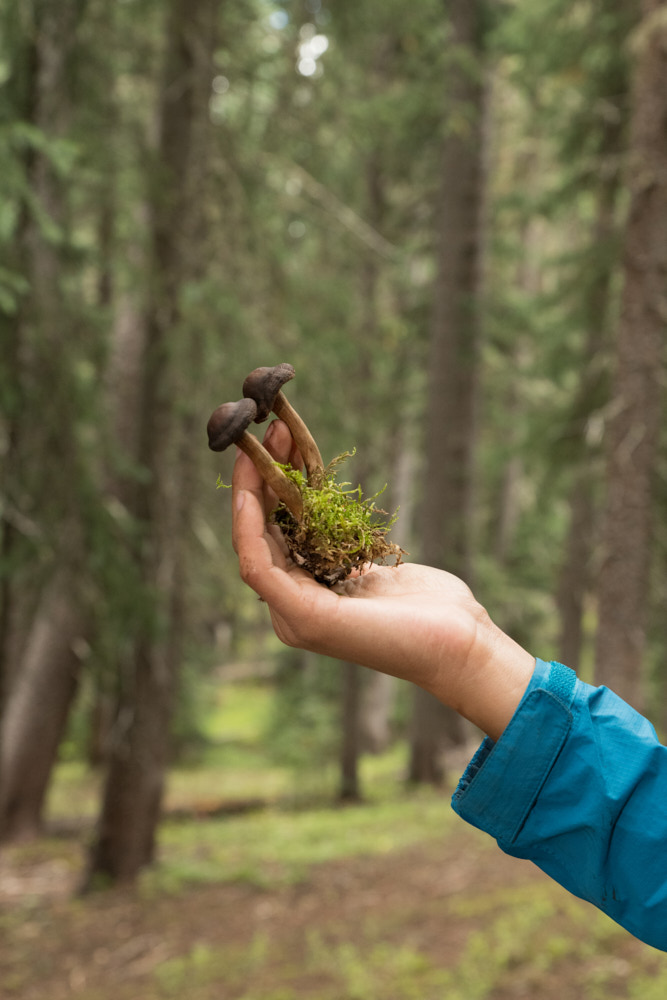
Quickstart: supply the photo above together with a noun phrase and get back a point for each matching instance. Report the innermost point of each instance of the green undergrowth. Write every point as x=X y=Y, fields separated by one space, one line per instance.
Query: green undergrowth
x=520 y=941
x=239 y=761
x=276 y=847
x=245 y=757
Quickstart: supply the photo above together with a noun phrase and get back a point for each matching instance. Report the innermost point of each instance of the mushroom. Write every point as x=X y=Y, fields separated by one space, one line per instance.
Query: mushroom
x=228 y=425
x=264 y=386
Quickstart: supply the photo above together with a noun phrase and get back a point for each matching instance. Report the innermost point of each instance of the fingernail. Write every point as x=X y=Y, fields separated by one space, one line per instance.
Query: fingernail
x=240 y=500
x=270 y=430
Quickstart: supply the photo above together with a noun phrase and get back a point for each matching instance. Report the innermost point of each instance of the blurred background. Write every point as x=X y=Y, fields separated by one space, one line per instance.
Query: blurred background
x=450 y=217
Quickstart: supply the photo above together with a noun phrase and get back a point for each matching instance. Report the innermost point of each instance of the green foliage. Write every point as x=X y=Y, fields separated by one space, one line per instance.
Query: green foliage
x=648 y=987
x=303 y=729
x=372 y=969
x=519 y=939
x=205 y=966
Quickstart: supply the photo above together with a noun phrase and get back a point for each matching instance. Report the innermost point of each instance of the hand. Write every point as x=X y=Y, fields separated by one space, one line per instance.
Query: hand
x=415 y=622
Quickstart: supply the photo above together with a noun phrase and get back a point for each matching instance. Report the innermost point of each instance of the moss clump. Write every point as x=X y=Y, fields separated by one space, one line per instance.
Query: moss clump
x=340 y=531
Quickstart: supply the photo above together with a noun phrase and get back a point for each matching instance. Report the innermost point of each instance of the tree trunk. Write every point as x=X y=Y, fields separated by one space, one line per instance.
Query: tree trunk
x=632 y=432
x=433 y=730
x=377 y=702
x=140 y=750
x=34 y=657
x=350 y=746
x=576 y=576
x=15 y=527
x=353 y=674
x=37 y=710
x=454 y=354
x=509 y=508
x=455 y=334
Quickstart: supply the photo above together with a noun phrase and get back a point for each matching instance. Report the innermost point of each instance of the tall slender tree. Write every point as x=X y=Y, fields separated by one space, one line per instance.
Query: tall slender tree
x=599 y=175
x=161 y=503
x=637 y=397
x=454 y=348
x=42 y=614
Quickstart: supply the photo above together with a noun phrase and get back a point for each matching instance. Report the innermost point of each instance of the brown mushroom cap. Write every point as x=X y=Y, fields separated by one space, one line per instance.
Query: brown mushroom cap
x=264 y=384
x=227 y=424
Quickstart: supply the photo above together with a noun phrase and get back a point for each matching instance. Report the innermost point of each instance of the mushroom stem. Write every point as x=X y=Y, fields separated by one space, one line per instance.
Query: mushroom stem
x=303 y=439
x=264 y=385
x=273 y=476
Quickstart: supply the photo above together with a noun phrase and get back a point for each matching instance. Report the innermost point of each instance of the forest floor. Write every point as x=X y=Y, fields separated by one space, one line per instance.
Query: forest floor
x=391 y=899
x=443 y=917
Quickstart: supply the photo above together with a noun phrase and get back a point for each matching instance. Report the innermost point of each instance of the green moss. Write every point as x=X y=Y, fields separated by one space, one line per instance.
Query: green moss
x=341 y=530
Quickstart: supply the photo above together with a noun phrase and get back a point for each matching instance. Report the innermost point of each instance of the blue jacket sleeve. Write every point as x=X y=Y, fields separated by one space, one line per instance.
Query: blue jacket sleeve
x=577 y=783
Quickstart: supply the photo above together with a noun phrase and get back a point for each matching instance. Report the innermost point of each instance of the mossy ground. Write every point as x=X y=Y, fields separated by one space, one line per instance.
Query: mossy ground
x=341 y=529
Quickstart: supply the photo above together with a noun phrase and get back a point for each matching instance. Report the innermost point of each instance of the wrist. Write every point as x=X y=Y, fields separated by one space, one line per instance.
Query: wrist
x=496 y=674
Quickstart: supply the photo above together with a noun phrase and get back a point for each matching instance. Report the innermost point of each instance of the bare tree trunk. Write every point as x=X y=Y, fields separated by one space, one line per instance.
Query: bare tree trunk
x=454 y=355
x=432 y=730
x=576 y=575
x=21 y=89
x=632 y=432
x=355 y=676
x=140 y=752
x=455 y=337
x=351 y=743
x=37 y=627
x=37 y=710
x=377 y=702
x=379 y=693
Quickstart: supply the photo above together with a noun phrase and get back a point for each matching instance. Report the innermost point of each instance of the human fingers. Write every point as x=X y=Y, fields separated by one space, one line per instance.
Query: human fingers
x=295 y=459
x=251 y=499
x=278 y=442
x=259 y=551
x=245 y=475
x=248 y=510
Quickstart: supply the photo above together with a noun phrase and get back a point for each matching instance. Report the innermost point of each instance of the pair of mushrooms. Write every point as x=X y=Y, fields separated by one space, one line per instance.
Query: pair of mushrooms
x=262 y=394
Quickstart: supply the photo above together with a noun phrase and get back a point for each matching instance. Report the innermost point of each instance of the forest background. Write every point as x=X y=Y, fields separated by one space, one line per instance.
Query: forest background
x=450 y=218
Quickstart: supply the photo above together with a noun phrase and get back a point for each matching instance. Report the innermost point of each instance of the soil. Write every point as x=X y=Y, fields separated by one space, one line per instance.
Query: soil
x=111 y=945
x=329 y=561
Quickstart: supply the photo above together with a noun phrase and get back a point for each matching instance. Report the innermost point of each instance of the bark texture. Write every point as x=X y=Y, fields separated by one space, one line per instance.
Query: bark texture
x=350 y=789
x=140 y=746
x=354 y=676
x=377 y=702
x=455 y=333
x=454 y=353
x=636 y=409
x=41 y=614
x=576 y=578
x=38 y=708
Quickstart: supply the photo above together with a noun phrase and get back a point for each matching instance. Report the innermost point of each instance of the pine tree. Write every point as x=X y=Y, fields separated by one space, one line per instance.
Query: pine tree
x=637 y=398
x=454 y=352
